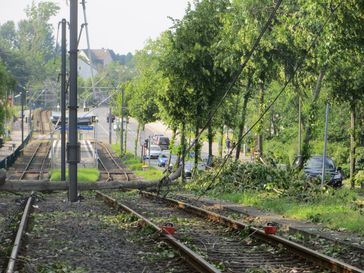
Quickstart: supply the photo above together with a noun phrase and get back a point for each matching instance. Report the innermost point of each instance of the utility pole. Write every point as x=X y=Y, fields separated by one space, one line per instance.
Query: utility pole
x=22 y=99
x=122 y=125
x=325 y=144
x=63 y=101
x=88 y=48
x=73 y=145
x=110 y=122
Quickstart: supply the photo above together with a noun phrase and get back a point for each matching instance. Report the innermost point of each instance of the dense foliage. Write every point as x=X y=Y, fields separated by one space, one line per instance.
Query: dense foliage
x=28 y=56
x=312 y=50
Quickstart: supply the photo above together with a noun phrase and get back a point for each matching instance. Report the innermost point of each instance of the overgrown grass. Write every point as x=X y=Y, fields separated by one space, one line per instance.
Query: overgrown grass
x=134 y=164
x=83 y=175
x=336 y=211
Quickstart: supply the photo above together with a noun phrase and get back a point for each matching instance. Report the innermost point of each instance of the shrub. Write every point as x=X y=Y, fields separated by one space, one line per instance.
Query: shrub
x=240 y=177
x=359 y=178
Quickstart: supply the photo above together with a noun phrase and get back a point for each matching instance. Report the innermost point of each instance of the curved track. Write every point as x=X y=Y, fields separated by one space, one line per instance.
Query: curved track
x=110 y=167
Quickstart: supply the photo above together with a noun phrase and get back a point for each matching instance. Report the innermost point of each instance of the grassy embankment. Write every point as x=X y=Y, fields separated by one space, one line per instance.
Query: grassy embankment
x=286 y=193
x=336 y=211
x=339 y=211
x=83 y=175
x=134 y=164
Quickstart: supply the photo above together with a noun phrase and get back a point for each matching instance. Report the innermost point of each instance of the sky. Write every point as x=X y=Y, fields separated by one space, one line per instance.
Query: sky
x=121 y=25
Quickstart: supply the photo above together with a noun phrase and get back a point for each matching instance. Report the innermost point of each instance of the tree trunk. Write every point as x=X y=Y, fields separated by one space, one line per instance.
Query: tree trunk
x=242 y=120
x=126 y=133
x=311 y=119
x=137 y=140
x=210 y=137
x=171 y=145
x=197 y=144
x=221 y=142
x=260 y=128
x=352 y=145
x=183 y=150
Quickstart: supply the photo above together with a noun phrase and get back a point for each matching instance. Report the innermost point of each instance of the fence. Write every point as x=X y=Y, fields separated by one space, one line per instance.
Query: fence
x=10 y=159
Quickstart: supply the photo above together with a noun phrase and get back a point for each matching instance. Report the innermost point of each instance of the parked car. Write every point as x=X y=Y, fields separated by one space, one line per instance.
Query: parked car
x=313 y=168
x=162 y=160
x=155 y=151
x=163 y=142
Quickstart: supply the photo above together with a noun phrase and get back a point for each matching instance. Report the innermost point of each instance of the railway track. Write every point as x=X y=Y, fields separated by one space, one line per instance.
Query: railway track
x=34 y=163
x=19 y=238
x=102 y=241
x=46 y=123
x=225 y=245
x=11 y=207
x=349 y=250
x=111 y=169
x=41 y=121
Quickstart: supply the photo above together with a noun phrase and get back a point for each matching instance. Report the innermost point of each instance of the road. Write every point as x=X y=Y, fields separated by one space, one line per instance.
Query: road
x=102 y=134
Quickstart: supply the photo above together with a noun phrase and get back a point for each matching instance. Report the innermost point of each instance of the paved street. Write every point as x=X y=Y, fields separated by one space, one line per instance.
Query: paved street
x=101 y=133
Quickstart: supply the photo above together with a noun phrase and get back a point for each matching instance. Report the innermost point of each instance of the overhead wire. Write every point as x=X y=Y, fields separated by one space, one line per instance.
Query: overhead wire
x=234 y=79
x=237 y=73
x=299 y=65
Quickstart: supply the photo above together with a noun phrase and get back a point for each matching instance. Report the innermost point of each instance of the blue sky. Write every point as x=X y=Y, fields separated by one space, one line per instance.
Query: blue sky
x=121 y=25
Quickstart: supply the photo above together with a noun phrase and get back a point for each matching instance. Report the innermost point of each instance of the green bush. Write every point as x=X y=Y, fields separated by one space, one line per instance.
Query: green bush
x=240 y=177
x=359 y=158
x=359 y=178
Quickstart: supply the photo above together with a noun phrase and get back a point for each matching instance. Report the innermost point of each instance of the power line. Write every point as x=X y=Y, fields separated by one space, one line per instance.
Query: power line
x=235 y=78
x=237 y=74
x=299 y=65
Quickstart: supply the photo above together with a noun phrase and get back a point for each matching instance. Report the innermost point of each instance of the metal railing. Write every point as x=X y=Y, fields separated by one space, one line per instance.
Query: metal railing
x=10 y=159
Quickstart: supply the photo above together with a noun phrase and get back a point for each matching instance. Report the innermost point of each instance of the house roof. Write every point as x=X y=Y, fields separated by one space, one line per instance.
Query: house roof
x=101 y=56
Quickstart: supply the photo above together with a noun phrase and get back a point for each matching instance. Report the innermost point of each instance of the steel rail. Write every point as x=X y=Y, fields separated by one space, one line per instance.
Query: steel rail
x=43 y=161
x=41 y=122
x=46 y=121
x=312 y=255
x=30 y=161
x=106 y=170
x=114 y=161
x=18 y=239
x=194 y=259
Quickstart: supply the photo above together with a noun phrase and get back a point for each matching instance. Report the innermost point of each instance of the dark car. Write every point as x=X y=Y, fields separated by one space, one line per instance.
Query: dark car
x=313 y=168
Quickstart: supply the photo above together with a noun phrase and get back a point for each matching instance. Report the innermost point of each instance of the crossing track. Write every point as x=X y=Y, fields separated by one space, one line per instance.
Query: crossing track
x=110 y=166
x=34 y=164
x=226 y=244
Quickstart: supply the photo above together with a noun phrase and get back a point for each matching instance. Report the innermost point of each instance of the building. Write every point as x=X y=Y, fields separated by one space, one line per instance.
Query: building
x=101 y=58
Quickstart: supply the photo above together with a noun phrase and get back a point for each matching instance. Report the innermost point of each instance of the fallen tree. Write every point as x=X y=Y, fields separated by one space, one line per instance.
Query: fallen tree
x=46 y=185
x=23 y=186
